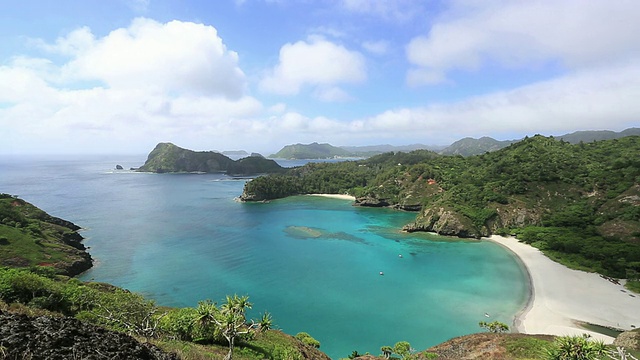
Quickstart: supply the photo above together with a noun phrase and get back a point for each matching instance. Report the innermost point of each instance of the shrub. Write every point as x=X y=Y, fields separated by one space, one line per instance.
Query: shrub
x=307 y=339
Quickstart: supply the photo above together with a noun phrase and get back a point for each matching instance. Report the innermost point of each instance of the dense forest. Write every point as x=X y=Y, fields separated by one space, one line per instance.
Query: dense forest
x=580 y=203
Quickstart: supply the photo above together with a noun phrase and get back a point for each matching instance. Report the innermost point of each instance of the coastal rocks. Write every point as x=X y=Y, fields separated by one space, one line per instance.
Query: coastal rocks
x=515 y=217
x=446 y=222
x=46 y=337
x=408 y=207
x=369 y=201
x=119 y=167
x=628 y=340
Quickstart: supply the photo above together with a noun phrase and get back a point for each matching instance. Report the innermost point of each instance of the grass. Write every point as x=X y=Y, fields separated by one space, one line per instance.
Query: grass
x=525 y=348
x=633 y=286
x=272 y=344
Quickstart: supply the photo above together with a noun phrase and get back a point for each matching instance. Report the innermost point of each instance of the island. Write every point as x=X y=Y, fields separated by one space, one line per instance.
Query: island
x=169 y=158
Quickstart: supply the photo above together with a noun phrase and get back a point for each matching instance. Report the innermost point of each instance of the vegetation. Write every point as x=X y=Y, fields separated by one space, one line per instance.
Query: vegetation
x=311 y=151
x=40 y=291
x=576 y=348
x=579 y=203
x=494 y=326
x=169 y=158
x=307 y=339
x=30 y=237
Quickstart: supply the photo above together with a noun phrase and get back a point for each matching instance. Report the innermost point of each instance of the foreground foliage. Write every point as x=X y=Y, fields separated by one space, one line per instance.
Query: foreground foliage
x=39 y=291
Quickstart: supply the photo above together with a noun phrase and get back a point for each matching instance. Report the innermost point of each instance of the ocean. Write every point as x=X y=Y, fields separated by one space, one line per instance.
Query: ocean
x=314 y=263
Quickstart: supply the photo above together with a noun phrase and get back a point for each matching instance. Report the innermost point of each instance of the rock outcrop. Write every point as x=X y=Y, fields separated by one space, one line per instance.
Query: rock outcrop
x=51 y=338
x=444 y=221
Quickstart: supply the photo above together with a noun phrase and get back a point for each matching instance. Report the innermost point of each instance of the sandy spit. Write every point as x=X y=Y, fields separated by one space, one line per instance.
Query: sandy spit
x=336 y=196
x=562 y=297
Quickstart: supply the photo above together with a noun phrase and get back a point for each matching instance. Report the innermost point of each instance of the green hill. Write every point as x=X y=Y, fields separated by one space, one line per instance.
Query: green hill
x=30 y=237
x=469 y=146
x=169 y=158
x=311 y=151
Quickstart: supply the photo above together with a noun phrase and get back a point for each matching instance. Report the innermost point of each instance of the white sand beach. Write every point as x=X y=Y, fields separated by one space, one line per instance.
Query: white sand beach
x=336 y=196
x=561 y=297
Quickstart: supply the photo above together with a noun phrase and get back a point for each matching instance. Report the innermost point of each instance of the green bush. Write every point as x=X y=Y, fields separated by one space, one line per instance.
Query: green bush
x=307 y=339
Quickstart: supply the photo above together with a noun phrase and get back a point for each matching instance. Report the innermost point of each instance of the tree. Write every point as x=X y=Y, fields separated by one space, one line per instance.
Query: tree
x=307 y=339
x=386 y=351
x=232 y=321
x=402 y=348
x=494 y=326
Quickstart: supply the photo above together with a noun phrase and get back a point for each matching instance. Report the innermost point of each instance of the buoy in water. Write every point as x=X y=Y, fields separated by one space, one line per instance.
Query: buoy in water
x=381 y=273
x=400 y=255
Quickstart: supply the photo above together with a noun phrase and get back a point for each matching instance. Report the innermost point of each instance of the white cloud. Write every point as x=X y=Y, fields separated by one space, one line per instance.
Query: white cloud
x=599 y=98
x=148 y=81
x=179 y=57
x=316 y=62
x=521 y=34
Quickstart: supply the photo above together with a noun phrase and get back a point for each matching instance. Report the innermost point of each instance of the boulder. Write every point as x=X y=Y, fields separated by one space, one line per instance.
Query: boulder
x=46 y=337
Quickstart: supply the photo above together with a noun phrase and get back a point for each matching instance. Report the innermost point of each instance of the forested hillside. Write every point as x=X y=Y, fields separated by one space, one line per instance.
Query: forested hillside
x=579 y=202
x=169 y=158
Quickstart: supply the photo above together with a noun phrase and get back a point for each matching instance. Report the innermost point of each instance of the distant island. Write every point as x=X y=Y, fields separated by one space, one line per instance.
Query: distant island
x=465 y=147
x=169 y=158
x=318 y=151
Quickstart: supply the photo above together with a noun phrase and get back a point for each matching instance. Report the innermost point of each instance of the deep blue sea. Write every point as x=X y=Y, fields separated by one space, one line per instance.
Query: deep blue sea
x=314 y=263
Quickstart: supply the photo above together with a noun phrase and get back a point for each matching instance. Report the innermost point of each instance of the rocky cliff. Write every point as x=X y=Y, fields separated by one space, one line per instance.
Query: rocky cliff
x=31 y=237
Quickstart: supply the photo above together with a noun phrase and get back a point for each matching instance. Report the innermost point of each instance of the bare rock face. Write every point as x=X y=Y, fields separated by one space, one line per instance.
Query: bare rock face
x=515 y=217
x=444 y=221
x=628 y=340
x=369 y=201
x=45 y=337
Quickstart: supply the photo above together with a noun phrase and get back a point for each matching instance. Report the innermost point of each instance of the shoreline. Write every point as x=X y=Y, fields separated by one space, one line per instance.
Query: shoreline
x=561 y=298
x=336 y=196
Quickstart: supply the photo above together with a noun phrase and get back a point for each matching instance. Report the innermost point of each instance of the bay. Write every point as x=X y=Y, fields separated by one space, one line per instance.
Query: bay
x=313 y=262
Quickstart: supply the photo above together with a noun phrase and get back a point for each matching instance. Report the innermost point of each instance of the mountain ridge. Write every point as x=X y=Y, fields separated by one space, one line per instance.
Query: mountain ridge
x=466 y=147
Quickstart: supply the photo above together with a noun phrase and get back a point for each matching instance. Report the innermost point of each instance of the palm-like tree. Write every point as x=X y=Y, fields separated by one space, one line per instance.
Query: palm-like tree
x=232 y=320
x=386 y=351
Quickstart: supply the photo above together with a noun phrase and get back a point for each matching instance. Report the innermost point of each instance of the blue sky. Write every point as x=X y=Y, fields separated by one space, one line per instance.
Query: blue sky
x=119 y=76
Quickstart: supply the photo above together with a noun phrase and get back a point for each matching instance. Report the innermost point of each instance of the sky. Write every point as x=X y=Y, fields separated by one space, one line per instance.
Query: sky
x=120 y=76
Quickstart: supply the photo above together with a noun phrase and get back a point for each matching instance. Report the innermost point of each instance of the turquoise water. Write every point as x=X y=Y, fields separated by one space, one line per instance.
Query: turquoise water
x=312 y=262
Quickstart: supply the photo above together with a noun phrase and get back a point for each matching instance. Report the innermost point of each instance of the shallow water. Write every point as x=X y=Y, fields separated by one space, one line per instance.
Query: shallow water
x=313 y=262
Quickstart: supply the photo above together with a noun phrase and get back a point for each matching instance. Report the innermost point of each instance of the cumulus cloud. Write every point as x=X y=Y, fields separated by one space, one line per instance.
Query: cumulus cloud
x=316 y=62
x=575 y=34
x=602 y=97
x=180 y=57
x=149 y=80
